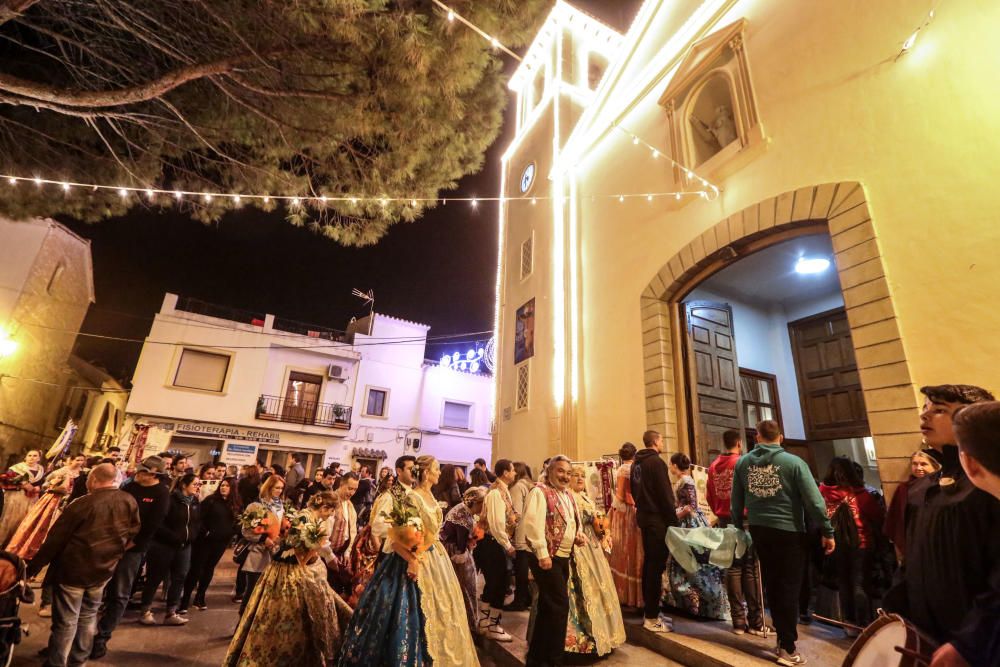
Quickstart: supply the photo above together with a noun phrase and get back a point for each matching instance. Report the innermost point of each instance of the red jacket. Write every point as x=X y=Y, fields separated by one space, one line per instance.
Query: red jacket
x=720 y=484
x=867 y=512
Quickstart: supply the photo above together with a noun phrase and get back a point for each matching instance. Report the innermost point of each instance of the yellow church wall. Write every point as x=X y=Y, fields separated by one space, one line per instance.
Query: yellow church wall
x=920 y=135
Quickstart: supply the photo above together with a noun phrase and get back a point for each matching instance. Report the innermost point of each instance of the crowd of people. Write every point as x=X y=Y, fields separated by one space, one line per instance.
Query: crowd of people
x=350 y=569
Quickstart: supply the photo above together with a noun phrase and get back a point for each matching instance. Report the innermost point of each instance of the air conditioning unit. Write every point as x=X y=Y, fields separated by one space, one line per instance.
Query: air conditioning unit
x=335 y=372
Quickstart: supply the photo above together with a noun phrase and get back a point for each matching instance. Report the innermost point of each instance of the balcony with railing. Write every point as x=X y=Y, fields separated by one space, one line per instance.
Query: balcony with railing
x=296 y=411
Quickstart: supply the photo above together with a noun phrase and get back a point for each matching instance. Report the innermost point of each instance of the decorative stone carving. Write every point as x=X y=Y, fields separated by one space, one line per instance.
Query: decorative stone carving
x=710 y=107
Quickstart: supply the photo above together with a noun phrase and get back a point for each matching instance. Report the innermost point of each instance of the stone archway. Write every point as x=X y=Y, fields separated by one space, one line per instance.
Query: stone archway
x=841 y=210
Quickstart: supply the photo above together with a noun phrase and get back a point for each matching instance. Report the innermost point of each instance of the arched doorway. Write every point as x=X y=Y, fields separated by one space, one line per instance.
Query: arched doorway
x=839 y=212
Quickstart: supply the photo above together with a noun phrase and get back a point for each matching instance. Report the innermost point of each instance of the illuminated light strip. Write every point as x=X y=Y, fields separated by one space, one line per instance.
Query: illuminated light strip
x=574 y=288
x=558 y=259
x=319 y=200
x=498 y=298
x=493 y=41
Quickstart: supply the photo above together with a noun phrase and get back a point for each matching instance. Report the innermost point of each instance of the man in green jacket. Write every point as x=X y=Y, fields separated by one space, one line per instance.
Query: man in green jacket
x=776 y=488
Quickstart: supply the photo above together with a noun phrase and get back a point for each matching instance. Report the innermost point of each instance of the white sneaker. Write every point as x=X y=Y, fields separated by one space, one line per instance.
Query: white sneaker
x=174 y=619
x=739 y=631
x=790 y=659
x=654 y=625
x=45 y=612
x=498 y=634
x=147 y=618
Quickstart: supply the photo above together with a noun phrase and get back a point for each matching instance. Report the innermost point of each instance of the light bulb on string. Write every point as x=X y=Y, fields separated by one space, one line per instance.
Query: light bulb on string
x=12 y=180
x=296 y=202
x=451 y=16
x=635 y=140
x=38 y=181
x=123 y=192
x=323 y=198
x=656 y=154
x=649 y=197
x=534 y=201
x=178 y=195
x=207 y=197
x=267 y=200
x=237 y=199
x=65 y=187
x=475 y=203
x=677 y=196
x=621 y=199
x=150 y=194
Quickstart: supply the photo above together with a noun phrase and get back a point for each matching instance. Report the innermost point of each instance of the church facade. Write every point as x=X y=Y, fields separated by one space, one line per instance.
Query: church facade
x=740 y=210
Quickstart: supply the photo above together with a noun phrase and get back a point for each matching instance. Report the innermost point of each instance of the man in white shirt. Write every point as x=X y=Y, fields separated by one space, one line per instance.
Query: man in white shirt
x=383 y=503
x=494 y=549
x=551 y=528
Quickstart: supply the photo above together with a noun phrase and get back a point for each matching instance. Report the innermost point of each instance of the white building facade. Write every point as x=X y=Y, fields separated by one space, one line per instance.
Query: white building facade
x=211 y=378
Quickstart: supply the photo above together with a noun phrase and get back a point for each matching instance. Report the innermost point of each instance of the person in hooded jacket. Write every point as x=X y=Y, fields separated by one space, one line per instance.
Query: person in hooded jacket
x=654 y=512
x=848 y=502
x=218 y=513
x=170 y=550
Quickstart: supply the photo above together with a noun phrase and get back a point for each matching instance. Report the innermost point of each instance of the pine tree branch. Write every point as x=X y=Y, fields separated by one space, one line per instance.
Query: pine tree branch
x=11 y=9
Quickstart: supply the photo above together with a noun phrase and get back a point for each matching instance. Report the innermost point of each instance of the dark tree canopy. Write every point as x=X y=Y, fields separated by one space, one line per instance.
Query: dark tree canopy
x=287 y=97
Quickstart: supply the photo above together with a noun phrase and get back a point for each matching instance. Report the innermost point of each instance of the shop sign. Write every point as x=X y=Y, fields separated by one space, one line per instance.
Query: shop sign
x=239 y=453
x=228 y=432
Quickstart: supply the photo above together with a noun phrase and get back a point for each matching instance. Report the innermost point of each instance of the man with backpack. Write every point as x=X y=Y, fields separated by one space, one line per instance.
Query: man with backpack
x=776 y=488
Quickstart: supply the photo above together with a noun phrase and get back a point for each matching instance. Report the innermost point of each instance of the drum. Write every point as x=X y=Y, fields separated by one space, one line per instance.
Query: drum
x=876 y=646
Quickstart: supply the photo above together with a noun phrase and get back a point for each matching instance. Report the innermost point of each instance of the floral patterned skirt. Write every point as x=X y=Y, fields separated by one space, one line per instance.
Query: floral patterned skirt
x=387 y=629
x=699 y=593
x=15 y=507
x=595 y=624
x=626 y=556
x=293 y=619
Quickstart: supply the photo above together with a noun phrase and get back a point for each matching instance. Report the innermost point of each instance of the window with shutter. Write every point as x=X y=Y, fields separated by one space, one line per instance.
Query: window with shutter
x=457 y=415
x=521 y=402
x=527 y=257
x=202 y=370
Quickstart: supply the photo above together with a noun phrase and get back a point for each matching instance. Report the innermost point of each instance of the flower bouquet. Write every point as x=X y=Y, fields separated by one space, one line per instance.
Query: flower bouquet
x=261 y=521
x=601 y=524
x=405 y=526
x=305 y=536
x=12 y=481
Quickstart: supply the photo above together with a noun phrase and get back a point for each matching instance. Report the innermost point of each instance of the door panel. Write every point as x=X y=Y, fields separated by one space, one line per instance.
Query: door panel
x=714 y=388
x=829 y=383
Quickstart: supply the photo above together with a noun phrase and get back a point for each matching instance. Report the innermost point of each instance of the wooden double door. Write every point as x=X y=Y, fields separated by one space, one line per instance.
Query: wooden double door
x=826 y=373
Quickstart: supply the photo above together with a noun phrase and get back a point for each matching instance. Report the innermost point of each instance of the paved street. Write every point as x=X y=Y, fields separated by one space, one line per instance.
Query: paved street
x=200 y=643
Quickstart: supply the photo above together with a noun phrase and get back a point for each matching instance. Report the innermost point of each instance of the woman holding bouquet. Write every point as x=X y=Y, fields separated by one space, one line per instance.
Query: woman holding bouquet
x=261 y=523
x=28 y=537
x=20 y=489
x=293 y=617
x=595 y=617
x=411 y=613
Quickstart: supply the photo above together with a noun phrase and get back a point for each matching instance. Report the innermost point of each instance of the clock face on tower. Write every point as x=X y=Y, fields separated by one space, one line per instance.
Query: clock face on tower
x=527 y=177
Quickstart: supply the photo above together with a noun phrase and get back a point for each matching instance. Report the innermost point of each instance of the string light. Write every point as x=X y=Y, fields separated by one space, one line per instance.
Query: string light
x=912 y=39
x=714 y=189
x=180 y=195
x=494 y=42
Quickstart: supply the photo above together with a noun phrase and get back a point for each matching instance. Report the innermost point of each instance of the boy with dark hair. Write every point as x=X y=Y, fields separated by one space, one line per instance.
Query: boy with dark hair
x=977 y=433
x=776 y=488
x=951 y=582
x=742 y=582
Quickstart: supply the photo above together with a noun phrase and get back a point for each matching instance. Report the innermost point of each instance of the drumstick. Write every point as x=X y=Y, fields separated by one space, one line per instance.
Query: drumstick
x=919 y=657
x=841 y=624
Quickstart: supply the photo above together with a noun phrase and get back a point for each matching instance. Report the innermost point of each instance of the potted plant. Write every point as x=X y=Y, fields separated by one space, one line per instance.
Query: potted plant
x=339 y=414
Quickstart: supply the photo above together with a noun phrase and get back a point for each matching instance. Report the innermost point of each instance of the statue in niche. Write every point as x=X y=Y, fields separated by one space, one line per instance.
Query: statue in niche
x=720 y=132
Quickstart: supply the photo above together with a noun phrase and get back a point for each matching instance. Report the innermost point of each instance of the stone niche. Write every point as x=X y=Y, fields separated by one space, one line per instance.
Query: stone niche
x=711 y=110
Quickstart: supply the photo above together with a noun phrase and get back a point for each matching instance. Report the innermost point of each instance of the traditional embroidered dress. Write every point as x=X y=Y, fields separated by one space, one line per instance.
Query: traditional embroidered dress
x=34 y=528
x=17 y=501
x=458 y=528
x=626 y=542
x=293 y=618
x=595 y=623
x=703 y=592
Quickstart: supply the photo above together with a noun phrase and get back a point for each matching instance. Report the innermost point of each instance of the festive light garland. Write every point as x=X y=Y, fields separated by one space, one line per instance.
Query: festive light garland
x=151 y=194
x=298 y=201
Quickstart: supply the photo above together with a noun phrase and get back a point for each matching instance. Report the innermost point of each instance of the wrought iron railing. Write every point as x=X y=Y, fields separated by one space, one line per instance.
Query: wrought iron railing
x=289 y=410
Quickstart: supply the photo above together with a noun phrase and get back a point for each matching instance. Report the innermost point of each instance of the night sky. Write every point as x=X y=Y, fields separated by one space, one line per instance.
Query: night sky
x=439 y=270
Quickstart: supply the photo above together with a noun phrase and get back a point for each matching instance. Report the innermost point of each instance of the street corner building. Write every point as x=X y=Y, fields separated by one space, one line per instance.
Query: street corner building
x=221 y=384
x=742 y=210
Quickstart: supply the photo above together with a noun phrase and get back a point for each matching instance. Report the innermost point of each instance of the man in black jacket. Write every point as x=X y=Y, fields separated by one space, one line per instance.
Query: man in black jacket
x=85 y=544
x=152 y=495
x=654 y=505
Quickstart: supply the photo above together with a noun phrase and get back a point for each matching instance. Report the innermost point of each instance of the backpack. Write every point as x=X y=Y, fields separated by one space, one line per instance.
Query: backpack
x=845 y=530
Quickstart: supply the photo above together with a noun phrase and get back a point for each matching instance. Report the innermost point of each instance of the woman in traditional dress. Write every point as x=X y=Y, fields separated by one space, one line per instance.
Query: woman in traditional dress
x=459 y=535
x=21 y=489
x=366 y=548
x=262 y=544
x=399 y=622
x=595 y=623
x=700 y=593
x=34 y=528
x=626 y=540
x=293 y=617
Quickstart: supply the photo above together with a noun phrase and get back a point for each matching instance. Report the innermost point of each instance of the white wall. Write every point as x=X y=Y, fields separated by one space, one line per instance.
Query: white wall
x=763 y=344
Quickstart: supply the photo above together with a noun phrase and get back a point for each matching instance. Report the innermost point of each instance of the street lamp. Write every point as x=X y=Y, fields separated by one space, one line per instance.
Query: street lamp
x=8 y=345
